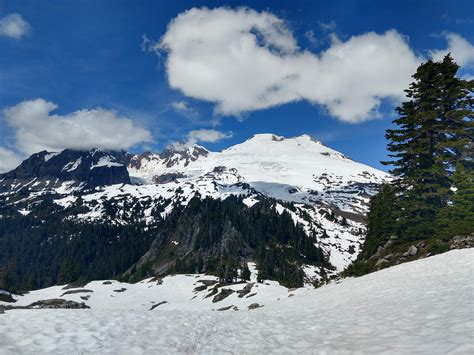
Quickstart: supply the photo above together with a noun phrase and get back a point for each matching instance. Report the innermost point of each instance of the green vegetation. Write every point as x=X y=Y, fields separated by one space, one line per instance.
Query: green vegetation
x=220 y=237
x=47 y=247
x=432 y=196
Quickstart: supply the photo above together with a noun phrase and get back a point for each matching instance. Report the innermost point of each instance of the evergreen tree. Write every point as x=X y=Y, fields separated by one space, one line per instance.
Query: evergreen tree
x=245 y=273
x=434 y=131
x=381 y=219
x=458 y=217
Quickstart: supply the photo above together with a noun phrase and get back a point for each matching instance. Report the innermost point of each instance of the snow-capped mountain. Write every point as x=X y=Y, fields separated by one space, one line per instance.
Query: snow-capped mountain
x=323 y=190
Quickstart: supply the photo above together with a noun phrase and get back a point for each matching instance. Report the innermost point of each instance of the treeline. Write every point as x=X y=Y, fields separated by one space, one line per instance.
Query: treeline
x=47 y=247
x=38 y=251
x=431 y=150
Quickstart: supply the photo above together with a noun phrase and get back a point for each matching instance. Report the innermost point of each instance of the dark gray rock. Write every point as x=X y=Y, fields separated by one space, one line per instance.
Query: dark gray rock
x=200 y=288
x=158 y=304
x=225 y=292
x=167 y=178
x=82 y=167
x=71 y=292
x=246 y=290
x=57 y=303
x=121 y=290
x=225 y=308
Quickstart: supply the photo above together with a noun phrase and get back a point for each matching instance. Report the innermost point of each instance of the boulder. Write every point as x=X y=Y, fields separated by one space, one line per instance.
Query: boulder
x=381 y=262
x=412 y=251
x=254 y=306
x=246 y=290
x=389 y=256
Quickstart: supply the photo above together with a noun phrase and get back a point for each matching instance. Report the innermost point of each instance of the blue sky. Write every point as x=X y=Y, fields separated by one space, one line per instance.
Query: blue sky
x=84 y=55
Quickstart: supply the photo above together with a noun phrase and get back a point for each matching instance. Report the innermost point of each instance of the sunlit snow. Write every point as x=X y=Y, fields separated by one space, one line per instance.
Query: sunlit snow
x=425 y=306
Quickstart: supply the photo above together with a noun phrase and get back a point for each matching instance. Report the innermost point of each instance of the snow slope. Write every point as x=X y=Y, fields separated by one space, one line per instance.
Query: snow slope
x=279 y=167
x=425 y=306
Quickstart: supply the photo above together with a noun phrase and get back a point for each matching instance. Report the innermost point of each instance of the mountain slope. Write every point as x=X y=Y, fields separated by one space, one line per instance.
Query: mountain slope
x=418 y=307
x=323 y=191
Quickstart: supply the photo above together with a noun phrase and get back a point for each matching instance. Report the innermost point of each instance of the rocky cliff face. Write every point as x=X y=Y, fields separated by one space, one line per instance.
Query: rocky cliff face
x=85 y=169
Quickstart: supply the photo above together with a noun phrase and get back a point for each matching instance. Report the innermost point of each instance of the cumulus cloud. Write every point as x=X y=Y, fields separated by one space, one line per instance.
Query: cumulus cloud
x=243 y=60
x=184 y=108
x=201 y=136
x=14 y=26
x=38 y=128
x=461 y=50
x=9 y=160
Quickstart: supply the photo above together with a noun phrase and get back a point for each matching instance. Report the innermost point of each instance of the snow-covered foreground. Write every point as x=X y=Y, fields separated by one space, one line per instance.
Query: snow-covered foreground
x=426 y=306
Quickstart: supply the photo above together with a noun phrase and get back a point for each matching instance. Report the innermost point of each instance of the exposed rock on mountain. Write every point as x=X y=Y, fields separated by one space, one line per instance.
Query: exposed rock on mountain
x=70 y=168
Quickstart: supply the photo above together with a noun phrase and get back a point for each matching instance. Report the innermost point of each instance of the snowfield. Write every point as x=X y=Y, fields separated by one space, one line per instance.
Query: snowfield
x=425 y=306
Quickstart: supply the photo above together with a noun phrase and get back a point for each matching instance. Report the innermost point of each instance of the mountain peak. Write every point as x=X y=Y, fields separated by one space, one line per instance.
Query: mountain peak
x=88 y=168
x=265 y=137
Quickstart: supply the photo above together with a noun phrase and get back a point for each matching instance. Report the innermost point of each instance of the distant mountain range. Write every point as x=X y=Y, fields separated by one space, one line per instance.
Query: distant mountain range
x=296 y=183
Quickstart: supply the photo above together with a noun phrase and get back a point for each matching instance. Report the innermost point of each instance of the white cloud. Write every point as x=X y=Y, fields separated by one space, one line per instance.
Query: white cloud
x=201 y=136
x=37 y=128
x=9 y=160
x=311 y=37
x=14 y=26
x=330 y=26
x=207 y=135
x=461 y=50
x=180 y=105
x=184 y=108
x=243 y=60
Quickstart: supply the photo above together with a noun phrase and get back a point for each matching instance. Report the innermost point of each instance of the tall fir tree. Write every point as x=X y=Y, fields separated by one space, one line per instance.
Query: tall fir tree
x=434 y=132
